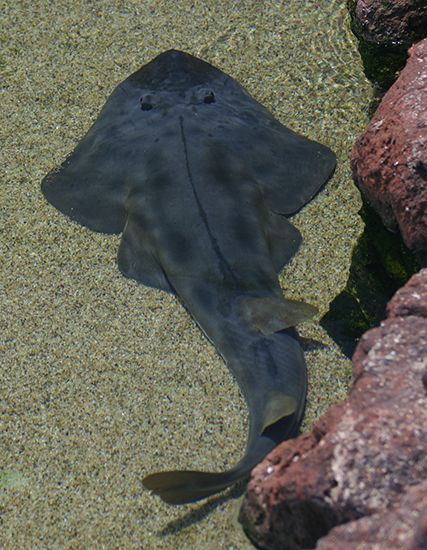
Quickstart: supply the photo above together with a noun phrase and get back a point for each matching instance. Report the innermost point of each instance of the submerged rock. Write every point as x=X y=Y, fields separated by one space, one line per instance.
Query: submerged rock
x=365 y=462
x=398 y=22
x=385 y=31
x=389 y=161
x=380 y=265
x=399 y=527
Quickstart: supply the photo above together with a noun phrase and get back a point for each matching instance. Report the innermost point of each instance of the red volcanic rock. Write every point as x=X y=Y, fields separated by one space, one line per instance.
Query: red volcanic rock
x=410 y=299
x=365 y=463
x=389 y=161
x=397 y=21
x=400 y=527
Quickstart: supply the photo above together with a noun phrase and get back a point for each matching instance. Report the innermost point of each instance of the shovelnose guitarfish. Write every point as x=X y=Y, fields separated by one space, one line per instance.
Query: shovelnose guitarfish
x=199 y=178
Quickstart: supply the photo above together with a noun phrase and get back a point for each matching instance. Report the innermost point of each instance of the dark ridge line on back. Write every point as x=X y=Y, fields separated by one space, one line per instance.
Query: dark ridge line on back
x=222 y=261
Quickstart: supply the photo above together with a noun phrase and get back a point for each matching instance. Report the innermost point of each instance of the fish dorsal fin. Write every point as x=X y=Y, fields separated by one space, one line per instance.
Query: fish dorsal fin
x=278 y=405
x=271 y=314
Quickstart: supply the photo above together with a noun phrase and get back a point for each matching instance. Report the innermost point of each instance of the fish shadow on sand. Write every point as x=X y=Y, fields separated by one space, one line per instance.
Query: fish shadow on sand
x=195 y=515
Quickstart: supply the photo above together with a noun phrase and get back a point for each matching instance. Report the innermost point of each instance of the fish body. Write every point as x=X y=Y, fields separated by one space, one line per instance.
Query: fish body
x=199 y=178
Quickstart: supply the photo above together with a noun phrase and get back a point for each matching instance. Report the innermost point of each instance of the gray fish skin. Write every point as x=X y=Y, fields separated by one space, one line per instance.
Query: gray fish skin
x=199 y=178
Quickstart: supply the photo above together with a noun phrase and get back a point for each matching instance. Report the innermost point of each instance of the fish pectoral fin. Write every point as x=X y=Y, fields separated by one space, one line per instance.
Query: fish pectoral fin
x=136 y=261
x=283 y=239
x=278 y=406
x=269 y=315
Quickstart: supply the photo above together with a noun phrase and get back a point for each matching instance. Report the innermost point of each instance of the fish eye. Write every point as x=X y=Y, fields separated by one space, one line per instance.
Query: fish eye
x=202 y=95
x=209 y=97
x=146 y=103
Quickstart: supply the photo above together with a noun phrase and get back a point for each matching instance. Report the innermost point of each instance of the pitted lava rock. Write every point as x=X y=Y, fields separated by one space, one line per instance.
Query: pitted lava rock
x=399 y=21
x=365 y=463
x=402 y=526
x=389 y=160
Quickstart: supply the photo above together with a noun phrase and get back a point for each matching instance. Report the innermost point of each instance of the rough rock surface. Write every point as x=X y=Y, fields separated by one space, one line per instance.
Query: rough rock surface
x=399 y=21
x=365 y=463
x=389 y=161
x=402 y=526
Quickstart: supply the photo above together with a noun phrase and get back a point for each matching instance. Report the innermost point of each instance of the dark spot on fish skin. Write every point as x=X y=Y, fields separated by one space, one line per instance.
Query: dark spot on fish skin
x=179 y=247
x=146 y=102
x=209 y=98
x=243 y=232
x=218 y=169
x=202 y=95
x=204 y=298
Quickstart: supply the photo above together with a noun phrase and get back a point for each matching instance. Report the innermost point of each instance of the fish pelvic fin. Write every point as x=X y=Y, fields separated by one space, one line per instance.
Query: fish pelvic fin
x=279 y=405
x=271 y=314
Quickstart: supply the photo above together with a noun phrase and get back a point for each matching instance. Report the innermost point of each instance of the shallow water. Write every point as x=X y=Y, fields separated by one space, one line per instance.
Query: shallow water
x=104 y=380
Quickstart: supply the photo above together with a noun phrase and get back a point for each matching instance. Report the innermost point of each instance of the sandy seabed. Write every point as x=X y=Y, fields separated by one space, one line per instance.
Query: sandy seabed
x=102 y=379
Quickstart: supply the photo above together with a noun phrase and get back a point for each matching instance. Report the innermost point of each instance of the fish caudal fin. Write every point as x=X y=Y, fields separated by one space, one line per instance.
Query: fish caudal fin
x=181 y=487
x=184 y=486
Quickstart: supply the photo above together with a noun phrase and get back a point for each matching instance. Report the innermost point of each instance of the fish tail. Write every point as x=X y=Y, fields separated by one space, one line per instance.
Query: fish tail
x=270 y=369
x=184 y=486
x=181 y=486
